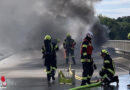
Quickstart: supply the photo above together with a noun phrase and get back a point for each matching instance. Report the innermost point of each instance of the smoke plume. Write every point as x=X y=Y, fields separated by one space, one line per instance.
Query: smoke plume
x=24 y=23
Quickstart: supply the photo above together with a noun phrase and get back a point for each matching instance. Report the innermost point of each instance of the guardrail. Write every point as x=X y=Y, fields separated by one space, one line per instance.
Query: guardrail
x=121 y=45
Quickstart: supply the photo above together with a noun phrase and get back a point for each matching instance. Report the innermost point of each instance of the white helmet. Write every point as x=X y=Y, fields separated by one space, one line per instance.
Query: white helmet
x=89 y=34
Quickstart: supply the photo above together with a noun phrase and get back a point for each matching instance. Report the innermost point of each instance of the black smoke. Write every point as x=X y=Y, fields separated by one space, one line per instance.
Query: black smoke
x=24 y=23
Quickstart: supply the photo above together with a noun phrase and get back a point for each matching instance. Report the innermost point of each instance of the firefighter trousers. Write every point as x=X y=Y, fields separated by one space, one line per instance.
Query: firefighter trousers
x=54 y=67
x=70 y=52
x=50 y=64
x=49 y=71
x=108 y=77
x=87 y=72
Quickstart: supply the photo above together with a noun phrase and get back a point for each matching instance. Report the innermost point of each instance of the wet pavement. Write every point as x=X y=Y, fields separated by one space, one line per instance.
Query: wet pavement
x=41 y=84
x=24 y=71
x=33 y=84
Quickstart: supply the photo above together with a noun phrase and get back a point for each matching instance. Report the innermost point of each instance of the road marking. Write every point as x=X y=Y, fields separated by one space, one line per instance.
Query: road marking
x=122 y=69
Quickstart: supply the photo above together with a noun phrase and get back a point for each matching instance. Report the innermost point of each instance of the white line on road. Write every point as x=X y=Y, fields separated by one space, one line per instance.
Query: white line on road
x=122 y=69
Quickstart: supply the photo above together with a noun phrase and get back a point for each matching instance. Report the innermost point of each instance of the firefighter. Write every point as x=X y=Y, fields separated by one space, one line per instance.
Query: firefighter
x=129 y=36
x=86 y=59
x=69 y=45
x=48 y=50
x=108 y=69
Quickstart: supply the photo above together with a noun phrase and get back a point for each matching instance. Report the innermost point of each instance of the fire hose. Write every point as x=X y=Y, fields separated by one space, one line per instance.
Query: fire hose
x=84 y=86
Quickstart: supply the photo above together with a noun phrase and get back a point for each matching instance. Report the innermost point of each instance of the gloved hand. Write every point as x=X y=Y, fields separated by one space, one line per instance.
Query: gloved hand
x=95 y=67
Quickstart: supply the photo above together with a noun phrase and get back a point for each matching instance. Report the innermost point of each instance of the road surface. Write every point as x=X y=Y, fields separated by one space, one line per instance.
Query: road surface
x=25 y=71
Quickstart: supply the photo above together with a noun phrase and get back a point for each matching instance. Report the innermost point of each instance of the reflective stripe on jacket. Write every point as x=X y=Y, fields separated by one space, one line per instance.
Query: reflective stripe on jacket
x=108 y=64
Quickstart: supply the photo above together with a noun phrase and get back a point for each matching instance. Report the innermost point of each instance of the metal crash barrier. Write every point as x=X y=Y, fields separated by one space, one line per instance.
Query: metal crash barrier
x=119 y=45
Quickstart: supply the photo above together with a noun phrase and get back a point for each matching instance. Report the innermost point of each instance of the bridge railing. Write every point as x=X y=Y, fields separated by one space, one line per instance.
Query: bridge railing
x=121 y=45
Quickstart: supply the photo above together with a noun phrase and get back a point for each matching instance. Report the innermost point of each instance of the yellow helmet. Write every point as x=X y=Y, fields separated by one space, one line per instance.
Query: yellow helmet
x=47 y=37
x=68 y=35
x=128 y=35
x=104 y=51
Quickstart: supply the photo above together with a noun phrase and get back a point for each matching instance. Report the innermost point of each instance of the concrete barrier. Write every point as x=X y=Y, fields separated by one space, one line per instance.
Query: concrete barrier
x=121 y=45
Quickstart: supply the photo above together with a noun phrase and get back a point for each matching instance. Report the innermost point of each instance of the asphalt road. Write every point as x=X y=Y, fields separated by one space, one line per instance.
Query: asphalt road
x=25 y=71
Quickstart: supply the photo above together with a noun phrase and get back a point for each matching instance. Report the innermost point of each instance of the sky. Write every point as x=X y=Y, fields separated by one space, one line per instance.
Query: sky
x=113 y=8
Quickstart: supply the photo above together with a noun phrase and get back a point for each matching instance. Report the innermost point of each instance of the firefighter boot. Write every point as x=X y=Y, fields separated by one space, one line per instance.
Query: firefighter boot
x=48 y=77
x=106 y=82
x=116 y=79
x=88 y=81
x=83 y=82
x=53 y=75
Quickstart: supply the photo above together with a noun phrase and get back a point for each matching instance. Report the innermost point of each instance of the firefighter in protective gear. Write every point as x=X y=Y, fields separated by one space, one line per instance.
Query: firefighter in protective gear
x=69 y=45
x=108 y=69
x=86 y=59
x=48 y=50
x=129 y=36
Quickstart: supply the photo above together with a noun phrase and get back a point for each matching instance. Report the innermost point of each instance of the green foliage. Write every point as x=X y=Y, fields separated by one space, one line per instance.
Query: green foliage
x=123 y=19
x=119 y=28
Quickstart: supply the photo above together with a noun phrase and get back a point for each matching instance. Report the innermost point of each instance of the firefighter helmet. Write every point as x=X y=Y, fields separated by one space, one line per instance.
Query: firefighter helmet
x=103 y=51
x=47 y=37
x=89 y=34
x=68 y=35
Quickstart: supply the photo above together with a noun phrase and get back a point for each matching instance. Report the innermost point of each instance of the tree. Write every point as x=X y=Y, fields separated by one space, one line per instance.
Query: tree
x=119 y=28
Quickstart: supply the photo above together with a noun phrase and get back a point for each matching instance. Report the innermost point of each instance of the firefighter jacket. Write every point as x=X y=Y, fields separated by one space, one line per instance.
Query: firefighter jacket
x=49 y=51
x=108 y=64
x=86 y=50
x=69 y=43
x=47 y=48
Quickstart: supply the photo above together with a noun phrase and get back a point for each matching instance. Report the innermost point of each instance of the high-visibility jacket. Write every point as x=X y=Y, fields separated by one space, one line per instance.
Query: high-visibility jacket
x=86 y=50
x=49 y=49
x=108 y=64
x=69 y=43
